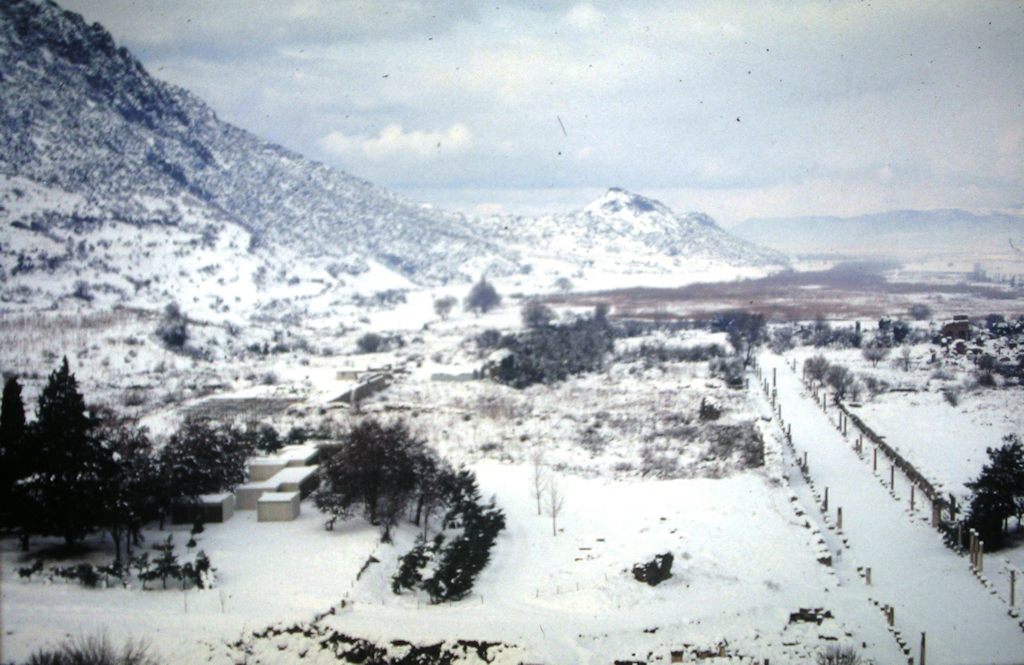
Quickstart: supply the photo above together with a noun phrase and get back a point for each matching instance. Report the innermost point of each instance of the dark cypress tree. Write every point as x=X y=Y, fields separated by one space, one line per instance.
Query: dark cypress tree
x=998 y=492
x=65 y=485
x=12 y=435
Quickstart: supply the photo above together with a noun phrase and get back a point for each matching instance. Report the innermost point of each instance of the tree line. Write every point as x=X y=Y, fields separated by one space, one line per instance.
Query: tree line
x=76 y=470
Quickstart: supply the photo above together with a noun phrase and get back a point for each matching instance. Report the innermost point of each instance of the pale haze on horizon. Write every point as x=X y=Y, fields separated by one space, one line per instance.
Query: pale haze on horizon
x=738 y=109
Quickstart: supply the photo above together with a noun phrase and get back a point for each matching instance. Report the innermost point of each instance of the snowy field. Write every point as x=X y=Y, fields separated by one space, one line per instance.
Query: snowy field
x=642 y=473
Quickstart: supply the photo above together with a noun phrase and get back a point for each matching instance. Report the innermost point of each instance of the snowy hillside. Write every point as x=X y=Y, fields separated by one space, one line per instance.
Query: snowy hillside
x=623 y=233
x=83 y=117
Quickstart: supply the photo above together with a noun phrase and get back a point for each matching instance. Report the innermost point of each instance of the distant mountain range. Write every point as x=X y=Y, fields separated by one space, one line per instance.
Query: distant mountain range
x=114 y=185
x=894 y=233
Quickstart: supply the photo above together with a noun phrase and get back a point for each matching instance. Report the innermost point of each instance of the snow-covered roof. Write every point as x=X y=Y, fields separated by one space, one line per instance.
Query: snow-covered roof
x=277 y=497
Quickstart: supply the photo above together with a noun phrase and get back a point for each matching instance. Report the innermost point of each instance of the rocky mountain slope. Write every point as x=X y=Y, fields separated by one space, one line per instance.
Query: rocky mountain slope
x=80 y=115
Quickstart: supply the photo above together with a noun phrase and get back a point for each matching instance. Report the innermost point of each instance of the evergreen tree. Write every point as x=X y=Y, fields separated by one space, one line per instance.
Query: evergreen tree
x=166 y=564
x=13 y=456
x=410 y=568
x=482 y=297
x=374 y=467
x=130 y=487
x=998 y=492
x=65 y=482
x=200 y=458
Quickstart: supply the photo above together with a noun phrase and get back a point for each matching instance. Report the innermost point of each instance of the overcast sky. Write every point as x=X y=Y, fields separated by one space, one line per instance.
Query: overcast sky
x=737 y=108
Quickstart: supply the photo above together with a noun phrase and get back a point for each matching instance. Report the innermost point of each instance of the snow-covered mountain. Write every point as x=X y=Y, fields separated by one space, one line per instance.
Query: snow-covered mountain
x=118 y=188
x=623 y=232
x=81 y=118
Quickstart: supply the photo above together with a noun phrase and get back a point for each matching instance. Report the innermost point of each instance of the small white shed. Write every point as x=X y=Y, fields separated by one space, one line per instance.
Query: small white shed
x=248 y=494
x=277 y=507
x=302 y=479
x=209 y=508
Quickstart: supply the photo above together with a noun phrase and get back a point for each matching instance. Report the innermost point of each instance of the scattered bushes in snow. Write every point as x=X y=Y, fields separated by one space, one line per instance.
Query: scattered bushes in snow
x=197 y=573
x=719 y=449
x=655 y=571
x=553 y=353
x=659 y=353
x=746 y=331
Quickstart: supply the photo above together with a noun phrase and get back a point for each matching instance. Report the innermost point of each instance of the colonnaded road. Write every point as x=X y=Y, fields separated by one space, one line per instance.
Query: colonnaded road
x=932 y=589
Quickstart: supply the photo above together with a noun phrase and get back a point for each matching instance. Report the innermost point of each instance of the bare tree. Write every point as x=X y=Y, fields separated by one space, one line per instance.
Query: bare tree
x=816 y=367
x=905 y=358
x=555 y=501
x=539 y=477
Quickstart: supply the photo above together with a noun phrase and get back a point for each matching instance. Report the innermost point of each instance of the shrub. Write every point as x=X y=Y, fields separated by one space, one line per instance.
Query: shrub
x=83 y=291
x=173 y=327
x=370 y=343
x=443 y=306
x=709 y=410
x=536 y=314
x=838 y=655
x=875 y=352
x=95 y=650
x=730 y=370
x=986 y=379
x=920 y=312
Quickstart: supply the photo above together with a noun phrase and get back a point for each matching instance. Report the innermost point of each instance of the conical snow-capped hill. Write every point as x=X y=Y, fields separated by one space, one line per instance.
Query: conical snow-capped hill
x=630 y=233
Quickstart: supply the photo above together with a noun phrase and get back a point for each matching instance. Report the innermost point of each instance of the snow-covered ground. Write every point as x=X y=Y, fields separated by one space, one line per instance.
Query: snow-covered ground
x=746 y=540
x=932 y=588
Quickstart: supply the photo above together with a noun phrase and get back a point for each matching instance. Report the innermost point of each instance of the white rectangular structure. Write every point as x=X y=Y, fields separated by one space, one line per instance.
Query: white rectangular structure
x=209 y=508
x=302 y=479
x=264 y=468
x=278 y=507
x=305 y=454
x=248 y=494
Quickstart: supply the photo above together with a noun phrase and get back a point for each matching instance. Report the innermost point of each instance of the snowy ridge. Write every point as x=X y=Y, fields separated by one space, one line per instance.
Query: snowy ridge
x=81 y=115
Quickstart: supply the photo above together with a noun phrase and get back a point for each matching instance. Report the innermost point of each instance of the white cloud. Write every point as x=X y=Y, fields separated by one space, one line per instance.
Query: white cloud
x=393 y=142
x=584 y=16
